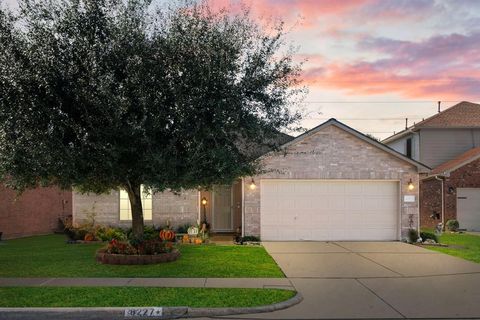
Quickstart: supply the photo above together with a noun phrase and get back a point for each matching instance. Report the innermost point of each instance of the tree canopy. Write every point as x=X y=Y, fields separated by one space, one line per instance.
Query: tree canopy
x=106 y=94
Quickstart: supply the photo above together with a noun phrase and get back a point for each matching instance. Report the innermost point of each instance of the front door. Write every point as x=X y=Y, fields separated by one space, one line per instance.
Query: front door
x=222 y=208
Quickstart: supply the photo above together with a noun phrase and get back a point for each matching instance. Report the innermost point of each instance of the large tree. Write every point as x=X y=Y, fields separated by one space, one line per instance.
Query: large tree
x=107 y=94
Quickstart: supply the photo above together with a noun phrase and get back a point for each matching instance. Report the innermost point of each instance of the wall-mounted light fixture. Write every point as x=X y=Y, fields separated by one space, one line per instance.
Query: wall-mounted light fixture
x=204 y=205
x=411 y=186
x=252 y=186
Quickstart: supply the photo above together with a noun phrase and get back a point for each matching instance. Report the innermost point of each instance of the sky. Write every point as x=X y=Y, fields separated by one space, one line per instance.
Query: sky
x=373 y=63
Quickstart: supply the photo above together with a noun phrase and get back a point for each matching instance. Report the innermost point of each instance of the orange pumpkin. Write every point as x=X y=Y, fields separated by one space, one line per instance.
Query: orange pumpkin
x=89 y=237
x=167 y=235
x=198 y=241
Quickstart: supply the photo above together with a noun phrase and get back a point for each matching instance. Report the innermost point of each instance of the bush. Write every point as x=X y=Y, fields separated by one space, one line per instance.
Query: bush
x=412 y=235
x=108 y=233
x=428 y=235
x=144 y=247
x=241 y=240
x=452 y=225
x=149 y=232
x=183 y=229
x=75 y=233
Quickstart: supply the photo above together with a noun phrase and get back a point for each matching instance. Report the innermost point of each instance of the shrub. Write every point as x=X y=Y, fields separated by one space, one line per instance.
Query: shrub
x=144 y=247
x=75 y=233
x=428 y=235
x=149 y=232
x=412 y=235
x=452 y=225
x=183 y=229
x=120 y=247
x=108 y=233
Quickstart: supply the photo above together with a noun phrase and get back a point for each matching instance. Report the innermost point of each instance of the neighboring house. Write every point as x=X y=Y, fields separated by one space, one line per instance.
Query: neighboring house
x=446 y=142
x=330 y=183
x=458 y=180
x=33 y=212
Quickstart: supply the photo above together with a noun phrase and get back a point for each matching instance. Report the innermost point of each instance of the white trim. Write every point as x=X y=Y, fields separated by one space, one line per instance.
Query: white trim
x=231 y=210
x=399 y=212
x=199 y=206
x=243 y=207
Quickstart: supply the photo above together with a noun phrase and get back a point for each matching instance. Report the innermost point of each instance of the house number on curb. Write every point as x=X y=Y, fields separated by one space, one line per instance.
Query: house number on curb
x=143 y=312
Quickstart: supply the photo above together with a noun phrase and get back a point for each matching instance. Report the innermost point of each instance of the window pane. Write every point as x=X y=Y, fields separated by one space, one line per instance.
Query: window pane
x=125 y=210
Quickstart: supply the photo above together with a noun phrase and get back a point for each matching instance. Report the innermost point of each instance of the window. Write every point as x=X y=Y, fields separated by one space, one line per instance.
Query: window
x=126 y=211
x=409 y=148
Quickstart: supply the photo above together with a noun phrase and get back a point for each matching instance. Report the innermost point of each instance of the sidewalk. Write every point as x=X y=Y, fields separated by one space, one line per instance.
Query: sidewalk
x=272 y=283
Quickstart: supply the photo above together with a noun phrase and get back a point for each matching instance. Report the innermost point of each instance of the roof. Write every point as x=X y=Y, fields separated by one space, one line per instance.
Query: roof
x=462 y=115
x=458 y=162
x=361 y=136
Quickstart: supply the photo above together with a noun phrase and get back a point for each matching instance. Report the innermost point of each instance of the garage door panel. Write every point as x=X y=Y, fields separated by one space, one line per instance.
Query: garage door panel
x=329 y=210
x=468 y=208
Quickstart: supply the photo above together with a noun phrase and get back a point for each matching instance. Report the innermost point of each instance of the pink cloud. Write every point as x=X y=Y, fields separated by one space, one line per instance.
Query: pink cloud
x=438 y=67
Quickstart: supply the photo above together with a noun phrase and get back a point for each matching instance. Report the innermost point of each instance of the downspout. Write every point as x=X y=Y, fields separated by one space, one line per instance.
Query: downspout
x=443 y=201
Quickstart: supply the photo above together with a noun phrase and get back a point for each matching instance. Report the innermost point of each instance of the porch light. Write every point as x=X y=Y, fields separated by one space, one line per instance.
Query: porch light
x=410 y=185
x=253 y=186
x=204 y=201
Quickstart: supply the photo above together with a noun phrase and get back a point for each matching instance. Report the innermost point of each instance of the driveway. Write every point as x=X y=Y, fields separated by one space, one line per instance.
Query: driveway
x=351 y=280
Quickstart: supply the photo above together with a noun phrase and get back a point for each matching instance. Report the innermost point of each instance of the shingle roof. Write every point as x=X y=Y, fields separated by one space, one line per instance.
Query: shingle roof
x=462 y=115
x=458 y=162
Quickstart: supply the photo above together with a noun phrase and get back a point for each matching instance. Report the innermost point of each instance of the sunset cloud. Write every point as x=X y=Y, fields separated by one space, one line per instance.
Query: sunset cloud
x=442 y=66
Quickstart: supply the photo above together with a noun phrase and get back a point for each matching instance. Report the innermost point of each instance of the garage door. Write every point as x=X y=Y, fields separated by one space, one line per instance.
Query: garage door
x=468 y=208
x=329 y=210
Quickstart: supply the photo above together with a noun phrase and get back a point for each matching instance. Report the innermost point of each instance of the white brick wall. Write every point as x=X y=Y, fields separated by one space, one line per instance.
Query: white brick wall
x=179 y=208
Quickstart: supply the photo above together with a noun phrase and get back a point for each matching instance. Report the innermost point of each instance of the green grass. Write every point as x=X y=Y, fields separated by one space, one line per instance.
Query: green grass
x=50 y=256
x=138 y=297
x=461 y=245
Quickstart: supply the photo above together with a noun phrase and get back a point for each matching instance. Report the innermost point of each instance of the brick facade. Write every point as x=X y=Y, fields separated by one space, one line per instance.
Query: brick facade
x=179 y=209
x=333 y=153
x=34 y=212
x=467 y=176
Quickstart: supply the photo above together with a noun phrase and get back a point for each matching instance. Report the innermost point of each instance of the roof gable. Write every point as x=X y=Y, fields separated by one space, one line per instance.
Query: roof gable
x=359 y=135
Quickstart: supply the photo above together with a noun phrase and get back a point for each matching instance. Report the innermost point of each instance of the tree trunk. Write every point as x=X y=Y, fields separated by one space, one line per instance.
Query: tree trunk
x=135 y=197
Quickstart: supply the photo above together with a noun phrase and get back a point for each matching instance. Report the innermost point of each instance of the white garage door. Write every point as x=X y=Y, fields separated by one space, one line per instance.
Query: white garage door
x=468 y=208
x=329 y=210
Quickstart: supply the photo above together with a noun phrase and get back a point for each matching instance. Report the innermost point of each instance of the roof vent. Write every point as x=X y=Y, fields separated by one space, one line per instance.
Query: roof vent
x=439 y=102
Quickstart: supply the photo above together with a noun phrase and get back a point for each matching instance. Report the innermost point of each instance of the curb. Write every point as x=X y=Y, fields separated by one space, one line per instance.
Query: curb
x=119 y=313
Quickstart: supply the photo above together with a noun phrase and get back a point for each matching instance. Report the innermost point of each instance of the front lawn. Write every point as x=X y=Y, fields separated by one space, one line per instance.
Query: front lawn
x=50 y=256
x=139 y=297
x=461 y=245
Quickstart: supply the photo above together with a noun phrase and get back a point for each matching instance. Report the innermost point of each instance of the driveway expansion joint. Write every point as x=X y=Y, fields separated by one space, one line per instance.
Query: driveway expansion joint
x=379 y=297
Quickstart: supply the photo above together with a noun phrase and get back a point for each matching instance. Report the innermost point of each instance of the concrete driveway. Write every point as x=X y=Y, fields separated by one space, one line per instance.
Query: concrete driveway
x=351 y=280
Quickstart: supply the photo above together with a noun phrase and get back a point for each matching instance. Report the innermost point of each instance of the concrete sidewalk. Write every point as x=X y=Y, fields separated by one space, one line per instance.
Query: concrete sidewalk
x=272 y=283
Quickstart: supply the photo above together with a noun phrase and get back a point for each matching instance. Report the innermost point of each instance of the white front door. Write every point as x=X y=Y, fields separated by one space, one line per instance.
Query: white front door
x=468 y=208
x=327 y=210
x=222 y=208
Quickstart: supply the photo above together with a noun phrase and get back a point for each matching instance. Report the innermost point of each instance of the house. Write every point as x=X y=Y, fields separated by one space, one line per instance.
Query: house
x=330 y=183
x=33 y=212
x=447 y=142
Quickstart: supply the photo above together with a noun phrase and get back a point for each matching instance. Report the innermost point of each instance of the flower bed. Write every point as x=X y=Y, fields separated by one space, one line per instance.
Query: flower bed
x=104 y=257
